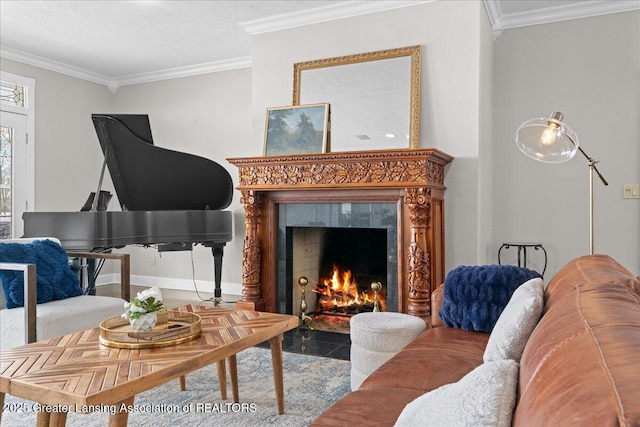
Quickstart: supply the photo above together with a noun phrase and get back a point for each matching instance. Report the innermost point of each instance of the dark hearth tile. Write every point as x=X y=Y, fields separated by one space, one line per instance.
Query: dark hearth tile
x=343 y=353
x=333 y=337
x=313 y=348
x=317 y=343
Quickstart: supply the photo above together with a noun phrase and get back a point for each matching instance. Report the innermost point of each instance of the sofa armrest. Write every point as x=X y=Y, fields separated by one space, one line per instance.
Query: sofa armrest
x=437 y=298
x=30 y=297
x=125 y=268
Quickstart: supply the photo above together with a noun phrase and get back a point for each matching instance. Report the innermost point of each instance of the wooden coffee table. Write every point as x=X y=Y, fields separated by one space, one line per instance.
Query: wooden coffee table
x=75 y=371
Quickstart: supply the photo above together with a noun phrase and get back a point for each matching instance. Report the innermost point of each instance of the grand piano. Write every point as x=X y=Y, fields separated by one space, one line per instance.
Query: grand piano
x=169 y=199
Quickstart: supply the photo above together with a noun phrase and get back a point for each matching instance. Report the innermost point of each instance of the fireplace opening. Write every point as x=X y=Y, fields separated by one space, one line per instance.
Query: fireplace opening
x=316 y=236
x=341 y=294
x=339 y=266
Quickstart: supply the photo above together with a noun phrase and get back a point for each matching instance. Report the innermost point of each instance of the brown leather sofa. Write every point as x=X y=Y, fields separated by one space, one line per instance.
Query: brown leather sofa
x=580 y=367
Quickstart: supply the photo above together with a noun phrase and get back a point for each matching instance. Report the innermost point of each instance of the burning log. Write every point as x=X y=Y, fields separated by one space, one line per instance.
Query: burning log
x=340 y=294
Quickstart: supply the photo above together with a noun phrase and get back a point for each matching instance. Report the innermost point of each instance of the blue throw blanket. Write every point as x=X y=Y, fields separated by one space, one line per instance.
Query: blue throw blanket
x=55 y=279
x=474 y=296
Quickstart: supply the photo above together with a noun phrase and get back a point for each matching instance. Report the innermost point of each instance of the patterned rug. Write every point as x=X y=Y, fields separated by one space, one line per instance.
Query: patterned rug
x=311 y=385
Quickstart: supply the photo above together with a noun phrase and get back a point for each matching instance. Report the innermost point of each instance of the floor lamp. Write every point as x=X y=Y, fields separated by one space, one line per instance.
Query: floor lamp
x=552 y=141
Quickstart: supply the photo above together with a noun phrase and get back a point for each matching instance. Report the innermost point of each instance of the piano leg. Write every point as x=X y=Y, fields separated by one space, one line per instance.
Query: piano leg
x=218 y=251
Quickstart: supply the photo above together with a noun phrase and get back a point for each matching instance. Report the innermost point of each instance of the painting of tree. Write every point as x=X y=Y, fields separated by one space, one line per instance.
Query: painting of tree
x=297 y=130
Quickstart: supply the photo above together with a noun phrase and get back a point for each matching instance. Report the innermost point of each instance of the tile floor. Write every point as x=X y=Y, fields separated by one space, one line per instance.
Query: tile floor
x=317 y=343
x=300 y=340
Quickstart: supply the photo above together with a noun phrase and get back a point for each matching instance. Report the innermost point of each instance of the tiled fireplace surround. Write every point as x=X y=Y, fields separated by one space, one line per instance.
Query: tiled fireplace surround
x=411 y=180
x=368 y=246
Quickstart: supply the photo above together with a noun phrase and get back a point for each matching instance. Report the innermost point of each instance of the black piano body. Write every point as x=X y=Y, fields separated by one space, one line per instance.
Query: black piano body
x=100 y=231
x=169 y=199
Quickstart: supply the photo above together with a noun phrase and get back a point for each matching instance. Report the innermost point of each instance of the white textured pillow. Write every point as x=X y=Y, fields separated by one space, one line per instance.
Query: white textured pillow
x=516 y=323
x=485 y=396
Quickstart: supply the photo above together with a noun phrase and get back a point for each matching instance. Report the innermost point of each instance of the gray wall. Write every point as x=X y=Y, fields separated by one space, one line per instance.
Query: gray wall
x=589 y=69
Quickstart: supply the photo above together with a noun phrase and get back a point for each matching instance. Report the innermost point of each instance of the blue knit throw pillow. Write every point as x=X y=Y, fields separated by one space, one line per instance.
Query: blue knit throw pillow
x=55 y=279
x=474 y=296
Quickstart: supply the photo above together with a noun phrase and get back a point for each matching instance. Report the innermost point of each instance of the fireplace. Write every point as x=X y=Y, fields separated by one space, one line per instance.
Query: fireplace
x=399 y=191
x=330 y=260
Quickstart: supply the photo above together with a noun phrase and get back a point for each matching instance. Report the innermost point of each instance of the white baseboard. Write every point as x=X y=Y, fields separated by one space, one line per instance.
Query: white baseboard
x=204 y=286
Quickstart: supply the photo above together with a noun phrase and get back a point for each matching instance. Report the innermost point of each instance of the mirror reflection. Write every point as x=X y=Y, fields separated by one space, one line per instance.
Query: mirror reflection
x=374 y=97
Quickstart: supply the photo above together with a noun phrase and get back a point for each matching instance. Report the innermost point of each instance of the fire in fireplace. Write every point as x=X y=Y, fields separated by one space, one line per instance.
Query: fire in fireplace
x=341 y=294
x=339 y=265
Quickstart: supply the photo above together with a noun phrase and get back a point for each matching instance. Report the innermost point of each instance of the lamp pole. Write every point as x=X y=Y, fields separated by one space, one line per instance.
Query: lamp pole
x=592 y=168
x=591 y=244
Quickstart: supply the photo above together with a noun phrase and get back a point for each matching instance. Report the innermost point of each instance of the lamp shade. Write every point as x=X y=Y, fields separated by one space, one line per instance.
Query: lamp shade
x=547 y=140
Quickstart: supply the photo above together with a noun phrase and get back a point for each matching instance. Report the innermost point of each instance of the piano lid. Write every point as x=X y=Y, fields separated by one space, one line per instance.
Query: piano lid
x=150 y=178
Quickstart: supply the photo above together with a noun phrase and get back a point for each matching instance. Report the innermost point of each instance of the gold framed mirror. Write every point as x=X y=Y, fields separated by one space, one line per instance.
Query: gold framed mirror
x=374 y=97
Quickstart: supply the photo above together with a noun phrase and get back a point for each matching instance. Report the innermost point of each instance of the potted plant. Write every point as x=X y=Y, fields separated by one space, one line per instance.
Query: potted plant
x=142 y=312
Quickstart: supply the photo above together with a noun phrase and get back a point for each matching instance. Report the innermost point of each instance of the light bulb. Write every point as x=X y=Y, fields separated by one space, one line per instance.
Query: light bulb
x=550 y=134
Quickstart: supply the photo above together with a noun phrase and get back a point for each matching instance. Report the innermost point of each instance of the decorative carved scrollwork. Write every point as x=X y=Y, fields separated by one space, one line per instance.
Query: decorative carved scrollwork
x=418 y=269
x=375 y=168
x=251 y=254
x=418 y=201
x=342 y=173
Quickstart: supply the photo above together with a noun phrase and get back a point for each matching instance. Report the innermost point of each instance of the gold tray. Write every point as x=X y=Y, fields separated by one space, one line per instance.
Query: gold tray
x=180 y=327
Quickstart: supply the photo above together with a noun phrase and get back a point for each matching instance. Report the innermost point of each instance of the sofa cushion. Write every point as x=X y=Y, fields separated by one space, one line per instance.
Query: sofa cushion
x=590 y=329
x=55 y=279
x=485 y=396
x=367 y=408
x=590 y=269
x=516 y=323
x=436 y=357
x=474 y=296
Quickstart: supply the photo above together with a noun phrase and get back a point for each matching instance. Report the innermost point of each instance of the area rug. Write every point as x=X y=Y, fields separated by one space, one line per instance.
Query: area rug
x=311 y=385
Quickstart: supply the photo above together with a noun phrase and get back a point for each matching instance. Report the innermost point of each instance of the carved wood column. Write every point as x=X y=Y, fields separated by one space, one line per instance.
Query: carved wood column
x=418 y=201
x=253 y=202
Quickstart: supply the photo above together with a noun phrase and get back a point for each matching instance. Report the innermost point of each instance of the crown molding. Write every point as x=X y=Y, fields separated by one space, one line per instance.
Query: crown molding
x=493 y=13
x=114 y=83
x=192 y=70
x=575 y=10
x=345 y=9
x=48 y=64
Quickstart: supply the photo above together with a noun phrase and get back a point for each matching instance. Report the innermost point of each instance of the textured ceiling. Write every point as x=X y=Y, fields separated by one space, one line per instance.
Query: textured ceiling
x=124 y=42
x=124 y=38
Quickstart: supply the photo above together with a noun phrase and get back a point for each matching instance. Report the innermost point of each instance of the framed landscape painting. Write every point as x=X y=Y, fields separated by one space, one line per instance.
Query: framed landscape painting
x=300 y=129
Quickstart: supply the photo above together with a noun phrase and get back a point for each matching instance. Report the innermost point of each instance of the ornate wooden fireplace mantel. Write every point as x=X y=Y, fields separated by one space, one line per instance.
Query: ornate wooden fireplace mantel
x=413 y=179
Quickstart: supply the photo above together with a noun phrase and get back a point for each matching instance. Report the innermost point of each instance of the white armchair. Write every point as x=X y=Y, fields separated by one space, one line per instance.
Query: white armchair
x=34 y=322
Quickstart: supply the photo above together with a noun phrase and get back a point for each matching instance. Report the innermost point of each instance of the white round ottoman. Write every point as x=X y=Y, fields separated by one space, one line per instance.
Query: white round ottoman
x=376 y=337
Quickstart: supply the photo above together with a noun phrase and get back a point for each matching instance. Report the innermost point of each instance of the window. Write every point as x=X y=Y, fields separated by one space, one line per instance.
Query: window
x=17 y=176
x=11 y=94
